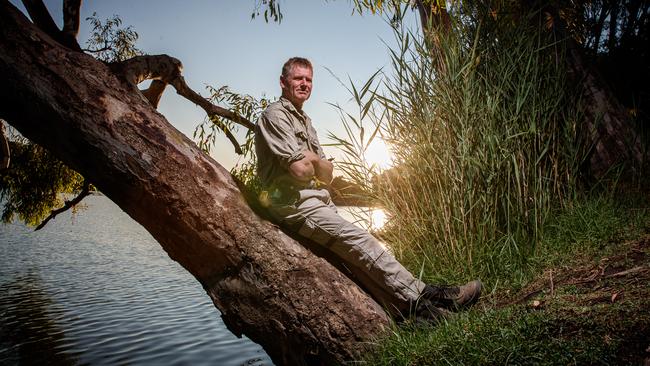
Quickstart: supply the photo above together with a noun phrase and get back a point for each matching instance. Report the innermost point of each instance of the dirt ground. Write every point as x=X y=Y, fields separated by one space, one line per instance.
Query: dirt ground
x=607 y=300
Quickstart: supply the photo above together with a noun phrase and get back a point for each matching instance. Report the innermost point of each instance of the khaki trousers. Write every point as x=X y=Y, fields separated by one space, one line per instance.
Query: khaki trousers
x=314 y=216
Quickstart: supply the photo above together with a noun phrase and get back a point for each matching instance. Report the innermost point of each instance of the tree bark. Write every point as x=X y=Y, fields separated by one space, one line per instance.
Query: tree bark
x=436 y=23
x=267 y=285
x=42 y=18
x=163 y=70
x=71 y=12
x=5 y=152
x=606 y=127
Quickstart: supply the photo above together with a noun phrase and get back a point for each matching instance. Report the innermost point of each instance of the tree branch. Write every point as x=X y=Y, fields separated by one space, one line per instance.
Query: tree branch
x=42 y=18
x=434 y=16
x=71 y=10
x=148 y=67
x=236 y=145
x=85 y=191
x=154 y=92
x=106 y=48
x=167 y=70
x=424 y=14
x=5 y=153
x=212 y=110
x=599 y=26
x=435 y=22
x=613 y=25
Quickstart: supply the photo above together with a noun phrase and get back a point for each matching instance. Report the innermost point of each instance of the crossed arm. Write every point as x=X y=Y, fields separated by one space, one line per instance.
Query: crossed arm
x=280 y=136
x=312 y=166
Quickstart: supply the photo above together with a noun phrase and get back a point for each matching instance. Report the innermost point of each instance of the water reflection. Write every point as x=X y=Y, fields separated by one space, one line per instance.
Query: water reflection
x=99 y=290
x=28 y=331
x=369 y=218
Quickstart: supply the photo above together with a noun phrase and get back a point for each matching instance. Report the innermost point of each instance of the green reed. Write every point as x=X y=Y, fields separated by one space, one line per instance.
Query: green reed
x=483 y=131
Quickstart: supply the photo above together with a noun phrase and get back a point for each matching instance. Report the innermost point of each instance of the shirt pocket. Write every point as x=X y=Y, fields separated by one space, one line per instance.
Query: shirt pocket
x=303 y=140
x=313 y=141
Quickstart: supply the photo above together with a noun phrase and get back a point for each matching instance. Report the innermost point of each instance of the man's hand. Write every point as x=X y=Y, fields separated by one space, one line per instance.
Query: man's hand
x=324 y=171
x=312 y=165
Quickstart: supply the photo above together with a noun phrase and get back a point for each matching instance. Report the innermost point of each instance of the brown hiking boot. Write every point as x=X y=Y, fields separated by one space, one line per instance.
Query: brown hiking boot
x=425 y=312
x=453 y=297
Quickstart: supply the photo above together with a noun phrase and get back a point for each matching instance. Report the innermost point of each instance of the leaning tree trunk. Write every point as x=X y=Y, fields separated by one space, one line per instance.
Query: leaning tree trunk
x=607 y=128
x=267 y=286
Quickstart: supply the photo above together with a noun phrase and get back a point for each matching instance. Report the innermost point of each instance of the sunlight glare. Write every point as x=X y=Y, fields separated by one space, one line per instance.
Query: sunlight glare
x=377 y=219
x=379 y=154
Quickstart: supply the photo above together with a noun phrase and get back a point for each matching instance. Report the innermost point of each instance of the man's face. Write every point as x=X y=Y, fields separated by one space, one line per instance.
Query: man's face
x=297 y=85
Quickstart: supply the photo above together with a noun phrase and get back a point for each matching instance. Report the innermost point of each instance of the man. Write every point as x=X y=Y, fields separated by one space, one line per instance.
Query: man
x=294 y=170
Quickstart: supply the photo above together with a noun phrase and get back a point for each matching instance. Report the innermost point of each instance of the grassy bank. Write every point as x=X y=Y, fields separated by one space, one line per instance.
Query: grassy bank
x=488 y=182
x=584 y=299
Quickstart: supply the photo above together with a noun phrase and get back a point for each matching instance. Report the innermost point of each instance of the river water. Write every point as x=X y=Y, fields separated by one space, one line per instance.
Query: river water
x=95 y=288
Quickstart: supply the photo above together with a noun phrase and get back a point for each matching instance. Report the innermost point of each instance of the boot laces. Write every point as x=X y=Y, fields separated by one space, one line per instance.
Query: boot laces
x=443 y=291
x=443 y=295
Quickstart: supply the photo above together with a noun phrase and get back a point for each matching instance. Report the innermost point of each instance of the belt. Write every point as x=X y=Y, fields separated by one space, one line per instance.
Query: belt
x=287 y=193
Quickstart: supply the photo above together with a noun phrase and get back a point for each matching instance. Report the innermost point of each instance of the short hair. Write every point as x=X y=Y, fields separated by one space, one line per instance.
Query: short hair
x=300 y=61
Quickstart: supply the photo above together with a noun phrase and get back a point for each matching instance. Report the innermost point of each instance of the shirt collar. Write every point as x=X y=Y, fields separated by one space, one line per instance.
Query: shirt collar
x=286 y=103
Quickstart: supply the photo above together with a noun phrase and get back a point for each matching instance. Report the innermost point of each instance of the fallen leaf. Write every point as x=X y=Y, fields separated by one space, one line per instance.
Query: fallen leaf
x=536 y=303
x=614 y=296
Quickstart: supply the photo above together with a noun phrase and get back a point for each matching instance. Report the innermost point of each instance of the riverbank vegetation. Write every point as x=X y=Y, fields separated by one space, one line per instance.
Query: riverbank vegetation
x=582 y=298
x=492 y=180
x=513 y=164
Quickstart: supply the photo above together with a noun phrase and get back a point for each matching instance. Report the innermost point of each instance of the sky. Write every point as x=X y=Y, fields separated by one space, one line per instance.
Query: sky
x=219 y=44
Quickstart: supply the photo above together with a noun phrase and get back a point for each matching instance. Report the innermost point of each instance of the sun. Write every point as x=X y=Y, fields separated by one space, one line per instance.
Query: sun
x=379 y=154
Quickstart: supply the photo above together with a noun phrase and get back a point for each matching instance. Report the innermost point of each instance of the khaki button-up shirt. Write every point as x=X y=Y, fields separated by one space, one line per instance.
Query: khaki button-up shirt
x=281 y=135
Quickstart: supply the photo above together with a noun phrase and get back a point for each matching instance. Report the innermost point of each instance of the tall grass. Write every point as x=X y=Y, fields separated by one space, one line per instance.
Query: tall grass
x=483 y=131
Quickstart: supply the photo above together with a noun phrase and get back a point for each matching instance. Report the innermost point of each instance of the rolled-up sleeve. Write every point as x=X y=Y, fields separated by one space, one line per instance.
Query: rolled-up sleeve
x=277 y=131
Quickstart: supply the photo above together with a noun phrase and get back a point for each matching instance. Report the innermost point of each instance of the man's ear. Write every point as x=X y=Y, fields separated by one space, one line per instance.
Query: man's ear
x=283 y=84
